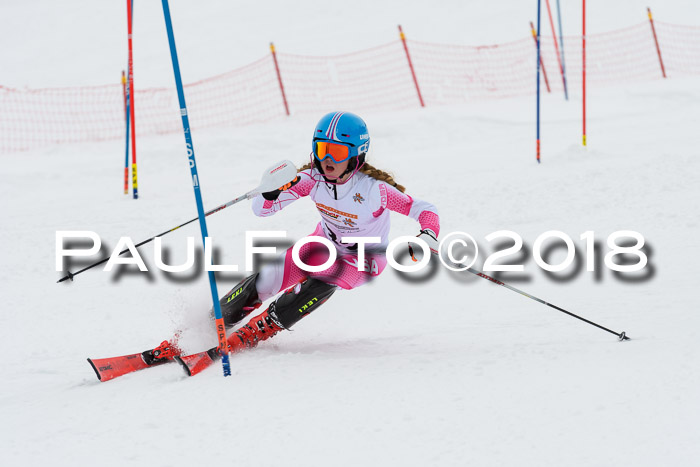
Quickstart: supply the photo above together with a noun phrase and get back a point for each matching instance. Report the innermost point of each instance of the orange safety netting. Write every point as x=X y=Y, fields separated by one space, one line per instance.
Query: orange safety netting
x=368 y=80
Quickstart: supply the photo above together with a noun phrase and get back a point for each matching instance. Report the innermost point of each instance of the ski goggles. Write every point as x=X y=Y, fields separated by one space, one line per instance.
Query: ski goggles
x=338 y=152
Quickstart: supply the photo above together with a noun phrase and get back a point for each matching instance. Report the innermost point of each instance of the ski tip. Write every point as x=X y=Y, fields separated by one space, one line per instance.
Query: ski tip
x=184 y=365
x=95 y=369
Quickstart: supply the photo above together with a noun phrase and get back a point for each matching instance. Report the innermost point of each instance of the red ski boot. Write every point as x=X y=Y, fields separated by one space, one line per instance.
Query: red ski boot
x=258 y=329
x=295 y=303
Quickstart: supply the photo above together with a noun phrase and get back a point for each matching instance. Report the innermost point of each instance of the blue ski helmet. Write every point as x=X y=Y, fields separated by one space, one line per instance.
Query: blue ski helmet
x=345 y=129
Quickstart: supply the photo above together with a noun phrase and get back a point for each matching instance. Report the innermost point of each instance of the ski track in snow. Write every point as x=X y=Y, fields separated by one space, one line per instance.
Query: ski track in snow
x=450 y=371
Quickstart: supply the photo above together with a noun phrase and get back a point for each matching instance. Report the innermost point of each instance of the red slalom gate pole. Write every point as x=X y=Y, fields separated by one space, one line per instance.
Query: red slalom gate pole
x=279 y=77
x=132 y=96
x=544 y=72
x=656 y=41
x=583 y=70
x=539 y=63
x=556 y=47
x=410 y=65
x=126 y=119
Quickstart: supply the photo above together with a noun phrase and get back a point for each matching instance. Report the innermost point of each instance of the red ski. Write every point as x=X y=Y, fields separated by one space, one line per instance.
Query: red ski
x=197 y=362
x=110 y=368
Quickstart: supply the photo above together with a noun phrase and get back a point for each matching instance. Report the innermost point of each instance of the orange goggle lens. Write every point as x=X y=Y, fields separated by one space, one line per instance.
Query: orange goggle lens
x=337 y=152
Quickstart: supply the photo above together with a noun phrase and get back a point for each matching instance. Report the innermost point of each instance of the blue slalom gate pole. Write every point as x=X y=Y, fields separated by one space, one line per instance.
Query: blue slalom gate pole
x=561 y=47
x=538 y=80
x=220 y=328
x=126 y=160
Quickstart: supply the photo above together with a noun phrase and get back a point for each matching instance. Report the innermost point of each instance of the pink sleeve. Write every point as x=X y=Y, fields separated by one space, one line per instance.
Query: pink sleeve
x=422 y=211
x=303 y=188
x=393 y=200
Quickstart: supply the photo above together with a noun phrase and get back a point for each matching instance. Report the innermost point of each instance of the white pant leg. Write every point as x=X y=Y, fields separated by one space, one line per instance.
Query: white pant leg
x=270 y=278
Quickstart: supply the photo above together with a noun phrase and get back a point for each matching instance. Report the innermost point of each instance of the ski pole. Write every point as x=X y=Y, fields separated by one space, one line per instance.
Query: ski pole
x=621 y=335
x=274 y=177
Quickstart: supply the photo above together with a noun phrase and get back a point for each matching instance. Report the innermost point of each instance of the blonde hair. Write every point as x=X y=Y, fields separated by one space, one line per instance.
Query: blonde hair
x=373 y=172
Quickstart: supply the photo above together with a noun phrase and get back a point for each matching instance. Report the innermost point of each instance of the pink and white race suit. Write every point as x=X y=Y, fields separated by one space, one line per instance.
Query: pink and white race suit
x=358 y=208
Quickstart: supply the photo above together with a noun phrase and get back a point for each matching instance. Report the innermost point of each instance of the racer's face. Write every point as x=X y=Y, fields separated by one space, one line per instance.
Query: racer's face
x=333 y=169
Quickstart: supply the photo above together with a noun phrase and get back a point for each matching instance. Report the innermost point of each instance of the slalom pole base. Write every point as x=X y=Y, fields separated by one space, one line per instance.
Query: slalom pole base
x=225 y=363
x=623 y=336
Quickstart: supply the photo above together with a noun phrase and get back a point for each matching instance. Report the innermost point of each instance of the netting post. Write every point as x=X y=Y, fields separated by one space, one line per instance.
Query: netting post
x=539 y=62
x=220 y=326
x=583 y=70
x=134 y=178
x=556 y=49
x=126 y=118
x=544 y=72
x=656 y=41
x=561 y=46
x=410 y=65
x=279 y=77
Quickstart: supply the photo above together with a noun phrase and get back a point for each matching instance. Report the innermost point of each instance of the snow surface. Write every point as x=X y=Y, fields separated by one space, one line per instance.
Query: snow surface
x=451 y=371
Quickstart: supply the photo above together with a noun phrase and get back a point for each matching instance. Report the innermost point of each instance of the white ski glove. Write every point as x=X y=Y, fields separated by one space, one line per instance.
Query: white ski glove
x=277 y=178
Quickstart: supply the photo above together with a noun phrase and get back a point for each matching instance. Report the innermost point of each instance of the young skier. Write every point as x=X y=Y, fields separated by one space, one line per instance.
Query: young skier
x=354 y=200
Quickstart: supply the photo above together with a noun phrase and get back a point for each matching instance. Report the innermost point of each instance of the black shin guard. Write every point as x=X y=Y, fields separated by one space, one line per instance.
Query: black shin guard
x=240 y=301
x=299 y=301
